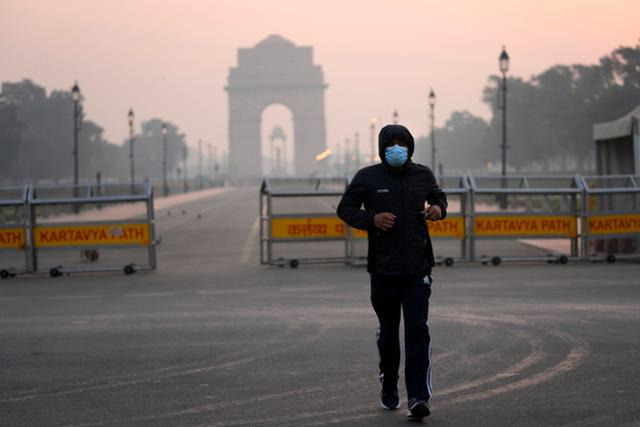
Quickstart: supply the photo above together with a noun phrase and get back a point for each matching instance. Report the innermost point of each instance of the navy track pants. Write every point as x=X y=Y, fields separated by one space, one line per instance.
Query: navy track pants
x=391 y=295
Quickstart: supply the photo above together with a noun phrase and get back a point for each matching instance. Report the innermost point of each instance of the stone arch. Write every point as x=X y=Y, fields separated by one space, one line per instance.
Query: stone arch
x=275 y=71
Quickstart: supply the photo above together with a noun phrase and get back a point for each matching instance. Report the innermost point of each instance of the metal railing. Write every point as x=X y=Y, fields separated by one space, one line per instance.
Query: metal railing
x=456 y=224
x=525 y=207
x=303 y=217
x=13 y=231
x=91 y=219
x=611 y=217
x=559 y=218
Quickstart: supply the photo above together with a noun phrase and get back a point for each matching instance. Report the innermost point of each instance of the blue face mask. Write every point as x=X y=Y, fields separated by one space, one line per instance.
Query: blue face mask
x=396 y=156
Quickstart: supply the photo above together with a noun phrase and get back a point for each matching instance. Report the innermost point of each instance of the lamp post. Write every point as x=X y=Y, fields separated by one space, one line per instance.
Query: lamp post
x=210 y=164
x=200 y=164
x=131 y=117
x=184 y=161
x=76 y=96
x=372 y=138
x=395 y=117
x=216 y=166
x=504 y=67
x=165 y=187
x=347 y=158
x=432 y=108
x=357 y=150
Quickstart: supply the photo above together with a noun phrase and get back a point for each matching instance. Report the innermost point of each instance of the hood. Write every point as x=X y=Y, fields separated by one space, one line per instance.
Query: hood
x=391 y=132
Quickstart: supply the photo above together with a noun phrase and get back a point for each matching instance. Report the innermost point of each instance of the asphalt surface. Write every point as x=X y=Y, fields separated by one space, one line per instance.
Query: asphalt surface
x=213 y=338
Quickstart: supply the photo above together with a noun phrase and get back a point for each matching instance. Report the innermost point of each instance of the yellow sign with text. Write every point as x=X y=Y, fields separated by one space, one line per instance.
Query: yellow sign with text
x=530 y=225
x=614 y=224
x=11 y=238
x=334 y=228
x=92 y=235
x=448 y=227
x=308 y=228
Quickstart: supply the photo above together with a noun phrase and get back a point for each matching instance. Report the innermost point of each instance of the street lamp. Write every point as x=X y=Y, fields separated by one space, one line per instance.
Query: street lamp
x=184 y=160
x=165 y=187
x=347 y=157
x=76 y=96
x=357 y=150
x=200 y=164
x=216 y=165
x=504 y=67
x=210 y=164
x=432 y=107
x=131 y=118
x=372 y=138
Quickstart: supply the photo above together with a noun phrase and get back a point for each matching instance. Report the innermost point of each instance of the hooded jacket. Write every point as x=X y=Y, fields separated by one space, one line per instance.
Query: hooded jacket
x=406 y=248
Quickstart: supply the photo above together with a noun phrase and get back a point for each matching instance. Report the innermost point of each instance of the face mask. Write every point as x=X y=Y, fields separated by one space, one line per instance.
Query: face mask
x=396 y=156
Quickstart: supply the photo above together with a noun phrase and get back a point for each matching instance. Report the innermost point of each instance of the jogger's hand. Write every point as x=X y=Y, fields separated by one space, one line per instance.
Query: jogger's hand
x=384 y=221
x=432 y=213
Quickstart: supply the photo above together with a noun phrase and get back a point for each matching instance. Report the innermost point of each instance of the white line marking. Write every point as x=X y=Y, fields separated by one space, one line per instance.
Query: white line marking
x=248 y=244
x=151 y=294
x=308 y=289
x=223 y=291
x=66 y=297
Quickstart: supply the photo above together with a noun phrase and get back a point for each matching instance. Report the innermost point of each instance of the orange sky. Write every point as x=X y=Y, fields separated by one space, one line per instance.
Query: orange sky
x=170 y=58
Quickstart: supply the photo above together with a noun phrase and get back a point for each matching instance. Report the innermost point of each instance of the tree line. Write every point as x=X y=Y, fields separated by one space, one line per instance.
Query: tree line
x=36 y=141
x=550 y=118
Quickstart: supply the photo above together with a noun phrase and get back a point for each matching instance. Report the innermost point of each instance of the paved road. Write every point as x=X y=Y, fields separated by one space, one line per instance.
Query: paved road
x=212 y=338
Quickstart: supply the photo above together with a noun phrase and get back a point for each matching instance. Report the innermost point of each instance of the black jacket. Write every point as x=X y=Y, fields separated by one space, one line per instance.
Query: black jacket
x=406 y=248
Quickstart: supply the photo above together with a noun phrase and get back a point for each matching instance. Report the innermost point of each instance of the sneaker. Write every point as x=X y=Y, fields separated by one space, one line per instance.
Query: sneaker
x=389 y=393
x=418 y=409
x=389 y=399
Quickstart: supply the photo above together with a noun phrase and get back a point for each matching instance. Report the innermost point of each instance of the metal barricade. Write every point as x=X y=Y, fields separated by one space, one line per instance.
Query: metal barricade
x=13 y=231
x=525 y=208
x=295 y=211
x=106 y=224
x=453 y=228
x=455 y=225
x=611 y=217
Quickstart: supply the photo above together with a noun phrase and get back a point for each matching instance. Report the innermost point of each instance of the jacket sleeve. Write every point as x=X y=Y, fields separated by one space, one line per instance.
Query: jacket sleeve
x=350 y=207
x=435 y=195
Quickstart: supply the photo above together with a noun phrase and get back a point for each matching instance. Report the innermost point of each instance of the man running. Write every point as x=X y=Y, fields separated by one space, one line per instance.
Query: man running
x=388 y=200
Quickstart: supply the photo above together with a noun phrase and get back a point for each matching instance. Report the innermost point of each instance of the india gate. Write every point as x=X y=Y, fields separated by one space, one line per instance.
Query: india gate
x=275 y=71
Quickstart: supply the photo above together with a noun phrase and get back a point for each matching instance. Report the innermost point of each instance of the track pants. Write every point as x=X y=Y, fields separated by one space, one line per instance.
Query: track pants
x=410 y=294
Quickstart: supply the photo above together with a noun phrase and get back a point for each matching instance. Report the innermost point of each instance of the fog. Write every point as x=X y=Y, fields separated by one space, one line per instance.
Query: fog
x=171 y=59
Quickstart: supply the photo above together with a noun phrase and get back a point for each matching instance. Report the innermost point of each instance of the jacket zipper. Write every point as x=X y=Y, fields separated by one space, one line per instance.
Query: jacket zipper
x=405 y=193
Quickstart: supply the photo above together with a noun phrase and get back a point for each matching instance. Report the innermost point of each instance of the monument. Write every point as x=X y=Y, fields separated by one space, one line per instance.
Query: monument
x=277 y=164
x=275 y=71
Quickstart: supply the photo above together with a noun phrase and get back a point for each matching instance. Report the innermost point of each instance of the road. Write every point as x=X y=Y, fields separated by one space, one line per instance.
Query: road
x=213 y=338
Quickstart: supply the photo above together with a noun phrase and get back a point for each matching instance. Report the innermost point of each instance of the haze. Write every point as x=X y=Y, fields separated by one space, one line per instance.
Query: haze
x=170 y=59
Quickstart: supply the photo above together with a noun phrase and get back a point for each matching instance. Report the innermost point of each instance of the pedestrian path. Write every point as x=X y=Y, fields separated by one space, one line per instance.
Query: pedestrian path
x=131 y=210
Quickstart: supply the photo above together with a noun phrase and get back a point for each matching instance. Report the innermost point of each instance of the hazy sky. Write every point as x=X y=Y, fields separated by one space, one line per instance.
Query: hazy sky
x=170 y=59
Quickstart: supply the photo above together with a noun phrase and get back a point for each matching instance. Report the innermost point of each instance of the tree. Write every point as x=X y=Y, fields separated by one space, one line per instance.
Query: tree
x=148 y=146
x=36 y=140
x=9 y=139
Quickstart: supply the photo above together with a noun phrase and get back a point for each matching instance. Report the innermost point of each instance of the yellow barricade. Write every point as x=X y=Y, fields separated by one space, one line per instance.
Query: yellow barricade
x=91 y=235
x=12 y=238
x=310 y=228
x=529 y=225
x=333 y=228
x=614 y=224
x=451 y=227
